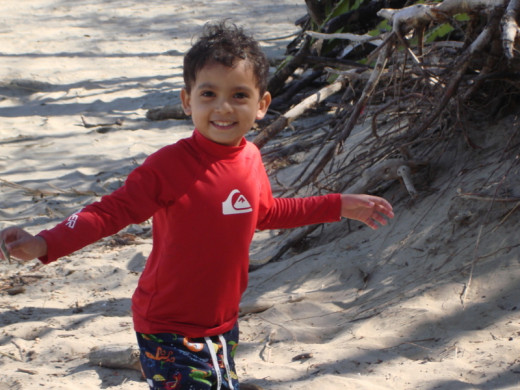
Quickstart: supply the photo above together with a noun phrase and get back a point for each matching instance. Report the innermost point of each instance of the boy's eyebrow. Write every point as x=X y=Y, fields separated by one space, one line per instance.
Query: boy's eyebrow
x=209 y=85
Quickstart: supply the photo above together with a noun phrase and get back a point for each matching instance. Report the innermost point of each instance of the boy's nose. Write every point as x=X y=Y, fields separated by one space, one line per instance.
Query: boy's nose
x=223 y=106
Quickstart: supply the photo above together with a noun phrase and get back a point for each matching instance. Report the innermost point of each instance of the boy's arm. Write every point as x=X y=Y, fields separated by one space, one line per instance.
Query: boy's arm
x=134 y=202
x=283 y=213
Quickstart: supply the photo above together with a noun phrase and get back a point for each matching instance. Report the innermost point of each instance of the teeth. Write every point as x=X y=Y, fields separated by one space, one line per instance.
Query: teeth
x=222 y=123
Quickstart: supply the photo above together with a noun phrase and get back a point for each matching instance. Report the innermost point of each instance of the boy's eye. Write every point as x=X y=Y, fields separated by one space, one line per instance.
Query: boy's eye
x=207 y=94
x=241 y=95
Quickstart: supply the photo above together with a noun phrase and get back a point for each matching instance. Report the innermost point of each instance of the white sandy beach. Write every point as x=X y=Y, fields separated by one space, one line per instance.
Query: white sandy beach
x=429 y=302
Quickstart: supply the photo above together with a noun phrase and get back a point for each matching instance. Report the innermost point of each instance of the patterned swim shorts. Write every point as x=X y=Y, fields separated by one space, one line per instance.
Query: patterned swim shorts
x=172 y=361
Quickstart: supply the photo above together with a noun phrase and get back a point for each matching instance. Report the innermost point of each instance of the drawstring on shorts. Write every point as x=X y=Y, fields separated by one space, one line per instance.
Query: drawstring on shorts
x=226 y=361
x=214 y=359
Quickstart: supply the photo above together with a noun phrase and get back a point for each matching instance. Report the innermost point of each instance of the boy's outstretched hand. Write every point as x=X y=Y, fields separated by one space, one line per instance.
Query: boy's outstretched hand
x=371 y=210
x=22 y=245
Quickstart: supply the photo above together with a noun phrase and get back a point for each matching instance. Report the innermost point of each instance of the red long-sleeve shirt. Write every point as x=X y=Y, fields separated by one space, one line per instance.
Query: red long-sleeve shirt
x=206 y=200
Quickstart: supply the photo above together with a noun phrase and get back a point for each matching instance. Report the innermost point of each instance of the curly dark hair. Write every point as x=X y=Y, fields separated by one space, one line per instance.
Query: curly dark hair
x=225 y=43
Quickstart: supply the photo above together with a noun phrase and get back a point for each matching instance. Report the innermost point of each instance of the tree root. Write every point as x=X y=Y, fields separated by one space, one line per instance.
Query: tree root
x=340 y=137
x=405 y=20
x=283 y=121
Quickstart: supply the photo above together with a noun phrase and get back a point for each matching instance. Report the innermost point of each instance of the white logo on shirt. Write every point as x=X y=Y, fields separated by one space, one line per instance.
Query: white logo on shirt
x=71 y=221
x=236 y=203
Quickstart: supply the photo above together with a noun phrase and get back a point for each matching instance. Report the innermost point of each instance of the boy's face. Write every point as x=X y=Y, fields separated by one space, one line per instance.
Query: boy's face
x=225 y=102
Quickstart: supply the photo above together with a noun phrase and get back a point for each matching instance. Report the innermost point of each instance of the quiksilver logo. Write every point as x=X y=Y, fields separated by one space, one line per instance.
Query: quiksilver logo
x=71 y=221
x=236 y=203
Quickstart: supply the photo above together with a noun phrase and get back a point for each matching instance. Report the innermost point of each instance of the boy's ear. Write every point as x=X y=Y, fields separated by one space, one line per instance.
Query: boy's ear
x=185 y=99
x=264 y=103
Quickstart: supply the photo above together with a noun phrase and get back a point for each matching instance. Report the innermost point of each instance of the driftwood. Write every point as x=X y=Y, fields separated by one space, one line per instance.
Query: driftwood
x=89 y=125
x=405 y=174
x=387 y=170
x=406 y=19
x=167 y=112
x=115 y=356
x=277 y=81
x=510 y=28
x=458 y=6
x=283 y=101
x=349 y=36
x=441 y=87
x=302 y=356
x=260 y=305
x=254 y=308
x=281 y=122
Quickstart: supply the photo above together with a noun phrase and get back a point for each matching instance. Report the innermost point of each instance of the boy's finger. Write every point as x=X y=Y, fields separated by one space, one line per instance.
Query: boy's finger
x=371 y=224
x=389 y=213
x=375 y=219
x=386 y=210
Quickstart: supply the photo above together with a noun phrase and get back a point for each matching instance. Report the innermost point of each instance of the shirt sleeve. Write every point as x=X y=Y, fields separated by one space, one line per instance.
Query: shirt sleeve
x=282 y=213
x=134 y=202
x=293 y=212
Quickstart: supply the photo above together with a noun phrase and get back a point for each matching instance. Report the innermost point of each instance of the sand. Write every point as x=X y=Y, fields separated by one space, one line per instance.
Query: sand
x=428 y=302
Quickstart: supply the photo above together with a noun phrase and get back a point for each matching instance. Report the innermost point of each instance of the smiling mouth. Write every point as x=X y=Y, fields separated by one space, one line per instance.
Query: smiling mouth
x=223 y=125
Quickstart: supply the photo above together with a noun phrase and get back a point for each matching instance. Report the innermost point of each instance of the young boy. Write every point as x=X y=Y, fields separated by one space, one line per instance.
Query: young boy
x=207 y=195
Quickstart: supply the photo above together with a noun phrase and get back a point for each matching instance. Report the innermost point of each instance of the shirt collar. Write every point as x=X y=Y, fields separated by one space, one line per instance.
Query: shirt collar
x=217 y=150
